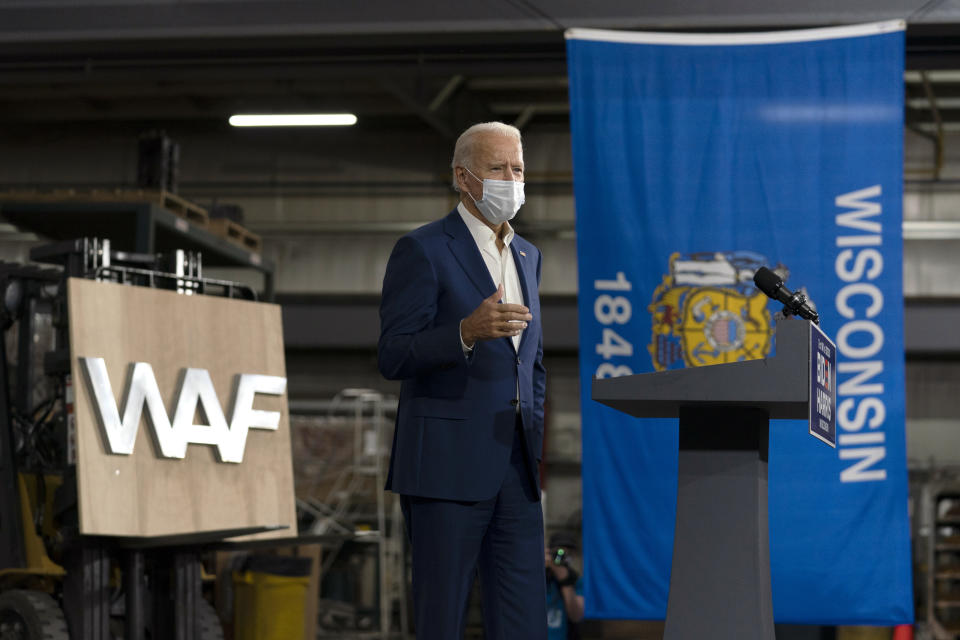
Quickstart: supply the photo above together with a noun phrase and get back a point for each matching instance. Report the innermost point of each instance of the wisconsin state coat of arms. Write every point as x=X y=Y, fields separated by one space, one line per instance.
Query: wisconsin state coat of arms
x=707 y=311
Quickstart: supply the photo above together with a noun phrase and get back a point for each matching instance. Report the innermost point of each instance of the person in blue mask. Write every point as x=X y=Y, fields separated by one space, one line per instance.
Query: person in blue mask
x=460 y=326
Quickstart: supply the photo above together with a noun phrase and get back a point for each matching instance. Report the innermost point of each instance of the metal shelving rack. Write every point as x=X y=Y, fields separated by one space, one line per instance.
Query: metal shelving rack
x=138 y=227
x=335 y=517
x=943 y=561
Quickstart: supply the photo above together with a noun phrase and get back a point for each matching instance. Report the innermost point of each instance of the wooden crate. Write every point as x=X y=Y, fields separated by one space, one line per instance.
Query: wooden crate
x=187 y=210
x=235 y=233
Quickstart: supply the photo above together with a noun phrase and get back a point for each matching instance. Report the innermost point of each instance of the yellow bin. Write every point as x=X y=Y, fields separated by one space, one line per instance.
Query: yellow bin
x=268 y=605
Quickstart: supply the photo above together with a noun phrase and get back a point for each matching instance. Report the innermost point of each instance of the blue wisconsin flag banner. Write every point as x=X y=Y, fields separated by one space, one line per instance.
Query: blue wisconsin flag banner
x=697 y=159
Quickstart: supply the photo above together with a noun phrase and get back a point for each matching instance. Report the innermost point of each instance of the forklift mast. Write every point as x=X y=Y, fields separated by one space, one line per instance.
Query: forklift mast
x=37 y=436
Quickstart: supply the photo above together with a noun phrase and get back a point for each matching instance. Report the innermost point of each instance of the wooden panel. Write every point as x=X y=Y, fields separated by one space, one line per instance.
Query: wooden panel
x=143 y=494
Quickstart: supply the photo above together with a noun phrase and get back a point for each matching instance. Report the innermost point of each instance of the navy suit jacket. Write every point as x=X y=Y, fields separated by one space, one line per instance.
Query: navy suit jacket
x=457 y=414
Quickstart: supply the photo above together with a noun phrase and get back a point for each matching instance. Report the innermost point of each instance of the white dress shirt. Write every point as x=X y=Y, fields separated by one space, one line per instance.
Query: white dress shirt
x=503 y=270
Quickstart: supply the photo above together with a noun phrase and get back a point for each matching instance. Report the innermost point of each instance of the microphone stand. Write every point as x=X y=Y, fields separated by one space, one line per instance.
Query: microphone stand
x=796 y=302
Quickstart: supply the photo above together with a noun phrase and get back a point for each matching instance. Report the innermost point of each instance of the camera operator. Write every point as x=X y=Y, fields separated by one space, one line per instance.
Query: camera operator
x=564 y=589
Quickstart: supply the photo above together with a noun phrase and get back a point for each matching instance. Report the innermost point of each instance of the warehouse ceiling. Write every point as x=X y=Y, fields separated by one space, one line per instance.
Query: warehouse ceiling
x=417 y=64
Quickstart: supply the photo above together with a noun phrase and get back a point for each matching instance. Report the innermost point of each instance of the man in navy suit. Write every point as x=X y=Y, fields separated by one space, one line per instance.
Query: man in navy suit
x=460 y=326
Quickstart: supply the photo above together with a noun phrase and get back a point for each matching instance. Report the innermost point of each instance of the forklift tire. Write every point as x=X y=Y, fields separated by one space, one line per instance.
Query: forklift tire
x=210 y=627
x=31 y=615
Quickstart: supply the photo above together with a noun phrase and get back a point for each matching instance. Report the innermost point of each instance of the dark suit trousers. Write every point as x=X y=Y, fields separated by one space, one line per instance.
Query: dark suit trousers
x=502 y=537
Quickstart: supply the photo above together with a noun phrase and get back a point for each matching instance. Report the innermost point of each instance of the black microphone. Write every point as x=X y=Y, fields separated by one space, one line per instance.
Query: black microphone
x=793 y=303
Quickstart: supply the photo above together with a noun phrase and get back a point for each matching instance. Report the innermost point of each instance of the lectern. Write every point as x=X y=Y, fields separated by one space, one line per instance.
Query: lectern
x=720 y=580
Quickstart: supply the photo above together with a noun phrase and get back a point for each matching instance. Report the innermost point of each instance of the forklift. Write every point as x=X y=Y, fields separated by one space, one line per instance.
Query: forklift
x=55 y=583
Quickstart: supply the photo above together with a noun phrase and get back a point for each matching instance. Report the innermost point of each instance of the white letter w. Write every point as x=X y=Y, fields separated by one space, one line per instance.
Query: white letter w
x=141 y=388
x=862 y=208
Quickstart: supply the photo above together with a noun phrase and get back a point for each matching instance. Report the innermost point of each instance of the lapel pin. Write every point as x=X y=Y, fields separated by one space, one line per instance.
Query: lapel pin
x=523 y=254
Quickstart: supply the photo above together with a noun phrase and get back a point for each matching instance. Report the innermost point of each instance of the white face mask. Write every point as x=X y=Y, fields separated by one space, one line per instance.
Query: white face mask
x=501 y=199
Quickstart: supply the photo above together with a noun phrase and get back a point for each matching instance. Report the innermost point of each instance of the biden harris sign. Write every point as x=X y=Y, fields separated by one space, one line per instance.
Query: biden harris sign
x=698 y=159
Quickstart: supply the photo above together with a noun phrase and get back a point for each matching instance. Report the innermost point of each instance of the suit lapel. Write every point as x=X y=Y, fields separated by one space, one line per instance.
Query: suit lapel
x=520 y=260
x=464 y=249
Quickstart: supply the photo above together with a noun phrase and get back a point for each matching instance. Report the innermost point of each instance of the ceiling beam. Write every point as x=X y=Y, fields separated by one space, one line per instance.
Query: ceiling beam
x=444 y=94
x=86 y=20
x=407 y=99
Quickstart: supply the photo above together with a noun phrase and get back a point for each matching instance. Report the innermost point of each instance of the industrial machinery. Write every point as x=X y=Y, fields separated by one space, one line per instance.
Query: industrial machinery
x=55 y=583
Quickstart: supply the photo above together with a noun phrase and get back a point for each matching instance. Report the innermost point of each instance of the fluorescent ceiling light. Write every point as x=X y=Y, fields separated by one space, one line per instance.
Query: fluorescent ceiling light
x=942 y=103
x=294 y=120
x=931 y=229
x=932 y=76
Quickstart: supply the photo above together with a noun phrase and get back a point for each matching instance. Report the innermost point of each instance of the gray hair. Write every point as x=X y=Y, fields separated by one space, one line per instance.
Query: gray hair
x=464 y=149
